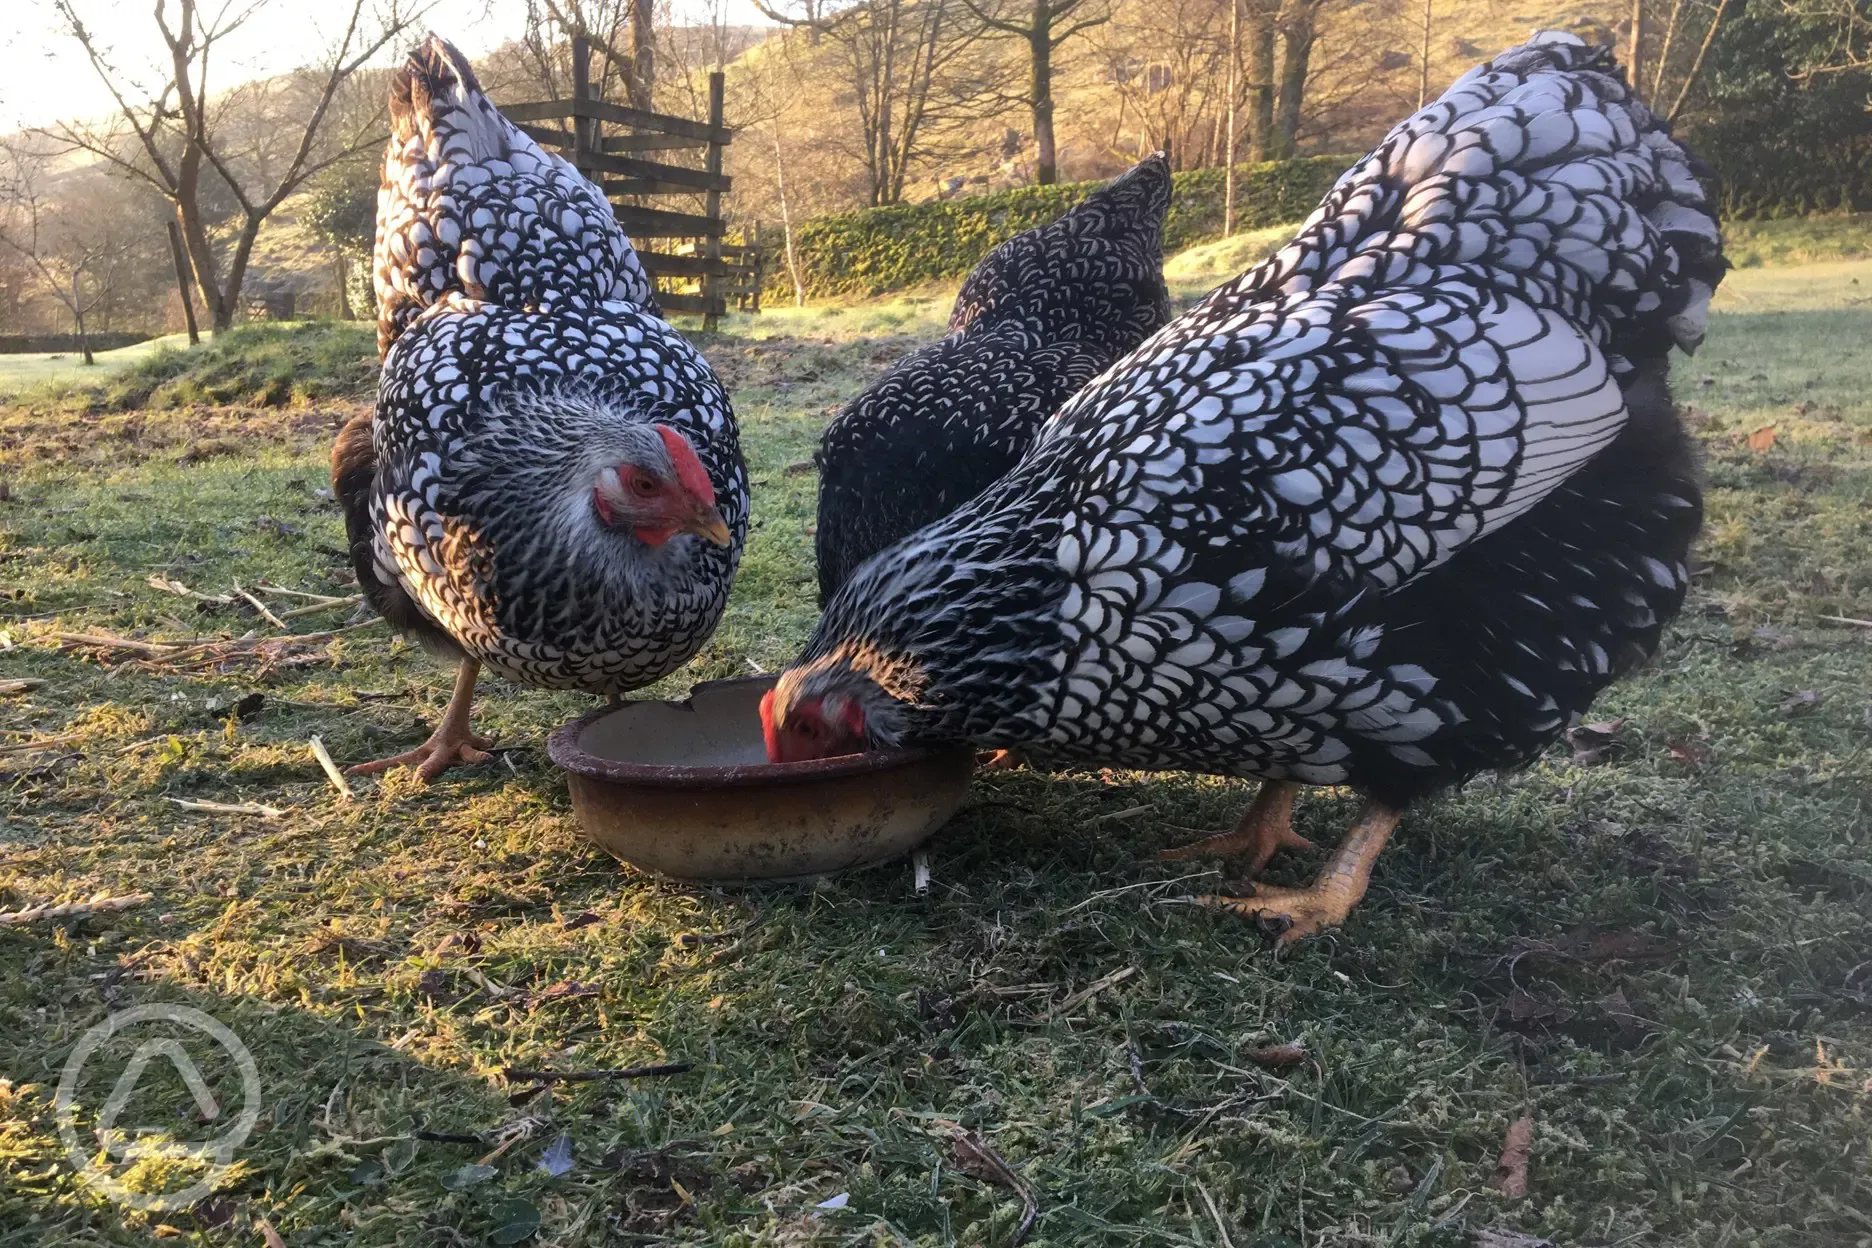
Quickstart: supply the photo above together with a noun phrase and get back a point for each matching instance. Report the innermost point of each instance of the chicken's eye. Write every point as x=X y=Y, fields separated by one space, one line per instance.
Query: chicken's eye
x=643 y=484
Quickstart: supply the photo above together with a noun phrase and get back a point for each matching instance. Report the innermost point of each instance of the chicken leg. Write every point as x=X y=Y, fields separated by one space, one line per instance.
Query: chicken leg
x=1326 y=902
x=1266 y=826
x=450 y=743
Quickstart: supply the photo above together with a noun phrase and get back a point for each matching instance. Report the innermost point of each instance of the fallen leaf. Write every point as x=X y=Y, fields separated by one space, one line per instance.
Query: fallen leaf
x=1692 y=753
x=1278 y=1056
x=1618 y=1007
x=458 y=942
x=437 y=986
x=1599 y=947
x=799 y=468
x=1525 y=1010
x=214 y=1212
x=557 y=1159
x=973 y=1156
x=1629 y=947
x=564 y=990
x=1762 y=440
x=584 y=918
x=1593 y=743
x=1802 y=700
x=467 y=1176
x=1502 y=1237
x=1510 y=1177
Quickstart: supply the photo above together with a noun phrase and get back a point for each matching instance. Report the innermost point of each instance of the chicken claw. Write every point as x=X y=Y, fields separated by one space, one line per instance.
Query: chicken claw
x=440 y=752
x=1265 y=827
x=1303 y=912
x=449 y=744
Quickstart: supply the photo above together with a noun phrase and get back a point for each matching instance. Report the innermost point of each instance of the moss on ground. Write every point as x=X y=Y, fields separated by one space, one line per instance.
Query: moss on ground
x=1656 y=950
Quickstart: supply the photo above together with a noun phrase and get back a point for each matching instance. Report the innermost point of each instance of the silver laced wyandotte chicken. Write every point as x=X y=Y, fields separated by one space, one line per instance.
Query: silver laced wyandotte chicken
x=1045 y=313
x=551 y=484
x=1386 y=511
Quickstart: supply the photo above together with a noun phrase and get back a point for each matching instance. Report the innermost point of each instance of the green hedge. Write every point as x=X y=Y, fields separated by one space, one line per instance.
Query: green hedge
x=875 y=250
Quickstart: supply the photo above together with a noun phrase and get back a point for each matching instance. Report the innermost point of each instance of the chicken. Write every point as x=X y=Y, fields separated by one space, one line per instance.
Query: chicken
x=1045 y=313
x=1386 y=511
x=551 y=484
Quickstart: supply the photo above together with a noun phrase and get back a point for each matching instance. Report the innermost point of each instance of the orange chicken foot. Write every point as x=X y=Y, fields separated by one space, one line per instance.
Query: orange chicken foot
x=450 y=743
x=1302 y=912
x=1266 y=826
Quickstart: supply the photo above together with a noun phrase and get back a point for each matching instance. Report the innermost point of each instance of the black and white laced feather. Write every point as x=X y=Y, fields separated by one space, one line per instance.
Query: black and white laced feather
x=1042 y=315
x=1386 y=510
x=469 y=204
x=523 y=356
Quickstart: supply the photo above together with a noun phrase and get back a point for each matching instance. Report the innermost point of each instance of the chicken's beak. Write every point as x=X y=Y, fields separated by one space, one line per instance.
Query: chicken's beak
x=709 y=525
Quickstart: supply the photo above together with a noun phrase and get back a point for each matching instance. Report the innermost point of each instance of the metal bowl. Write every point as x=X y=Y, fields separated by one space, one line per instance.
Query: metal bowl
x=685 y=789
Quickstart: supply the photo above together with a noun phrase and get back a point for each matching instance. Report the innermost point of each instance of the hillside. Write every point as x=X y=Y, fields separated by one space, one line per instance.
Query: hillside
x=1151 y=77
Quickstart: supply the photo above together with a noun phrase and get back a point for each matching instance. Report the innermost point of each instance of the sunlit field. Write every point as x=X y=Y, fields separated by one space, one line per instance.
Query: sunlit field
x=1652 y=943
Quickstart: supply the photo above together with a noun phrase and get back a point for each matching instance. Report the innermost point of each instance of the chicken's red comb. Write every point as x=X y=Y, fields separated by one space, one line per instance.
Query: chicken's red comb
x=689 y=469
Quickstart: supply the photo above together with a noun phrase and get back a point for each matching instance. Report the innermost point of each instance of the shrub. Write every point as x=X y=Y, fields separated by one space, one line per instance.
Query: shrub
x=877 y=249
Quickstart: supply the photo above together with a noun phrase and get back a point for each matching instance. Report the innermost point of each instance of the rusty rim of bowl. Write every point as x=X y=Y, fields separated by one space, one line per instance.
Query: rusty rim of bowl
x=564 y=749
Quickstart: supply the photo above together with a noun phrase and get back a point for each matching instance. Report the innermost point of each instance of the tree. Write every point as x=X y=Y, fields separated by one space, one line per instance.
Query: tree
x=1261 y=16
x=255 y=145
x=1167 y=63
x=76 y=257
x=1299 y=27
x=1634 y=51
x=1804 y=64
x=1672 y=77
x=911 y=76
x=604 y=23
x=1047 y=27
x=341 y=212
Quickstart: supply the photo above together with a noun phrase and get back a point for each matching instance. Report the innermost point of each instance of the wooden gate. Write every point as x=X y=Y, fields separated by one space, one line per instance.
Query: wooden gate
x=615 y=162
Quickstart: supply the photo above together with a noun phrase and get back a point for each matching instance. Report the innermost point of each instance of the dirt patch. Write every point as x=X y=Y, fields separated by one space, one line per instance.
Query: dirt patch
x=43 y=435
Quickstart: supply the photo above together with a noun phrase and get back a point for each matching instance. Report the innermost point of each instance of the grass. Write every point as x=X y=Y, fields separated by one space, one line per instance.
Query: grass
x=1659 y=953
x=35 y=369
x=261 y=365
x=1799 y=240
x=1208 y=264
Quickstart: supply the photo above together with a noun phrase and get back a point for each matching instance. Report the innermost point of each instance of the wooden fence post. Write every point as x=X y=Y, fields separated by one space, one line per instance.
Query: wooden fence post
x=711 y=247
x=759 y=266
x=623 y=167
x=585 y=142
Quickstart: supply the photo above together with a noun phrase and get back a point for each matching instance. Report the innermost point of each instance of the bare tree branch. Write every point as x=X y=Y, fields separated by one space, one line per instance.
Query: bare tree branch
x=1696 y=66
x=188 y=125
